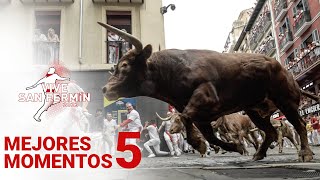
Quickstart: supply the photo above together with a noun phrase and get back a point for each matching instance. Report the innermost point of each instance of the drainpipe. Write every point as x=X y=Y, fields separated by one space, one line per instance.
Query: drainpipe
x=80 y=32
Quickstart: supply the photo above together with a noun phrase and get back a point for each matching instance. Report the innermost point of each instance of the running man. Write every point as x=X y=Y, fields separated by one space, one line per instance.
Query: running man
x=154 y=140
x=171 y=139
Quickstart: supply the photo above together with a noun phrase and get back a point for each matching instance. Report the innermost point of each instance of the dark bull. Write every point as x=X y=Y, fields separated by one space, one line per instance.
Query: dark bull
x=205 y=85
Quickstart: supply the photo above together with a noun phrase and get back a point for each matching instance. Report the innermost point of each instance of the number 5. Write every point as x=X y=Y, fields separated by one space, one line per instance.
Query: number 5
x=130 y=147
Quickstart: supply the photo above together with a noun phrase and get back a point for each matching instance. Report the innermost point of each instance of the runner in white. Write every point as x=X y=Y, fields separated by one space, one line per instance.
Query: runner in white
x=132 y=124
x=154 y=140
x=171 y=139
x=110 y=126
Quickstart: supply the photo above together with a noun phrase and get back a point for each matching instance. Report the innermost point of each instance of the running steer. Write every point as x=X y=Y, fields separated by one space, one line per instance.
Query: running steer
x=205 y=85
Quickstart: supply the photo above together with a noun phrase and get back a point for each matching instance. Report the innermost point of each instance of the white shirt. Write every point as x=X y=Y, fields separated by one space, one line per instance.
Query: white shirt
x=110 y=126
x=113 y=37
x=135 y=124
x=153 y=132
x=167 y=125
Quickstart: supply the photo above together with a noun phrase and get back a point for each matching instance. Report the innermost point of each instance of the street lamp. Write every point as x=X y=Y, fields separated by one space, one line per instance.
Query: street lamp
x=164 y=9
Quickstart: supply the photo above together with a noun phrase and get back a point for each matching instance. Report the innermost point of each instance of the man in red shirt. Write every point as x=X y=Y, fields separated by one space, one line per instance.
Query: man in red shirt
x=316 y=128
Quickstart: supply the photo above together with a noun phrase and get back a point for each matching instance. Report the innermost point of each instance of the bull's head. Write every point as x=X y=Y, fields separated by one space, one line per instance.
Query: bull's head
x=177 y=124
x=129 y=73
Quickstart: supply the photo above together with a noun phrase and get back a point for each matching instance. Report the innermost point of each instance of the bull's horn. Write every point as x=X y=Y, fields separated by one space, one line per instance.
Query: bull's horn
x=254 y=129
x=128 y=37
x=163 y=119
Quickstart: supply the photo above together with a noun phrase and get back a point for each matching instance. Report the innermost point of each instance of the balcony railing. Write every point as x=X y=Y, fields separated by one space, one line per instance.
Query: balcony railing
x=309 y=59
x=266 y=22
x=281 y=9
x=267 y=48
x=115 y=50
x=286 y=41
x=258 y=31
x=46 y=52
x=252 y=42
x=300 y=24
x=270 y=47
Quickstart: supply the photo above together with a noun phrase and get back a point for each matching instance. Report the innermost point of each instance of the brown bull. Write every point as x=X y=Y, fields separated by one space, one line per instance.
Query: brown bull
x=205 y=85
x=232 y=128
x=236 y=127
x=177 y=127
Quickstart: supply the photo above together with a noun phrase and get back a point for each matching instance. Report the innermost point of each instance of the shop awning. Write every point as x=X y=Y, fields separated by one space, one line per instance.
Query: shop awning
x=119 y=1
x=47 y=1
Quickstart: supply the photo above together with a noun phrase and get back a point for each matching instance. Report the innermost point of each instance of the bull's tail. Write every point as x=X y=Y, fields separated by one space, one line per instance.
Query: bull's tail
x=311 y=96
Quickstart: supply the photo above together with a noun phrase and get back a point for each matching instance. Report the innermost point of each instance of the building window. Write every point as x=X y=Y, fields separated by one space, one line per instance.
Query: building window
x=46 y=40
x=315 y=35
x=116 y=46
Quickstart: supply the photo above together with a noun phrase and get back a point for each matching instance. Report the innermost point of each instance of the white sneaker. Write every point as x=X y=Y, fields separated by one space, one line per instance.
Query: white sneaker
x=172 y=153
x=151 y=156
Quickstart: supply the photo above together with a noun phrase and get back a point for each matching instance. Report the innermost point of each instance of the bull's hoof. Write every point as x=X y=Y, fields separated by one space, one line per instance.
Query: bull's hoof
x=240 y=149
x=305 y=156
x=216 y=149
x=223 y=151
x=272 y=146
x=202 y=155
x=258 y=157
x=280 y=151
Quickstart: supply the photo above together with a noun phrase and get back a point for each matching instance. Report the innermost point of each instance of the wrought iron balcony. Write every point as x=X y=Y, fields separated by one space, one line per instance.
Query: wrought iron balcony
x=115 y=50
x=266 y=23
x=270 y=47
x=253 y=43
x=281 y=9
x=286 y=41
x=45 y=52
x=302 y=23
x=309 y=60
x=261 y=26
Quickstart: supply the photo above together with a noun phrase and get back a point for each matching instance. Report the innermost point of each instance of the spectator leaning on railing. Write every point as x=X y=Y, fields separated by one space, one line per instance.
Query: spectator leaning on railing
x=54 y=40
x=39 y=36
x=305 y=58
x=316 y=46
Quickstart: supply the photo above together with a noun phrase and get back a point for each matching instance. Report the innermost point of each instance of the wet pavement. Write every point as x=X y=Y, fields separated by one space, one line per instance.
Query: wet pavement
x=289 y=155
x=230 y=166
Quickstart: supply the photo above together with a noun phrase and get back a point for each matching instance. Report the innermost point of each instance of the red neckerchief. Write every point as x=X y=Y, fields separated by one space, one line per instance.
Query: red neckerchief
x=48 y=90
x=47 y=75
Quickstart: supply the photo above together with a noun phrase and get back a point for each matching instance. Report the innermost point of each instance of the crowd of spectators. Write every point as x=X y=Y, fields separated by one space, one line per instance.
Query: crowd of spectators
x=279 y=5
x=304 y=59
x=261 y=21
x=266 y=45
x=297 y=17
x=46 y=47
